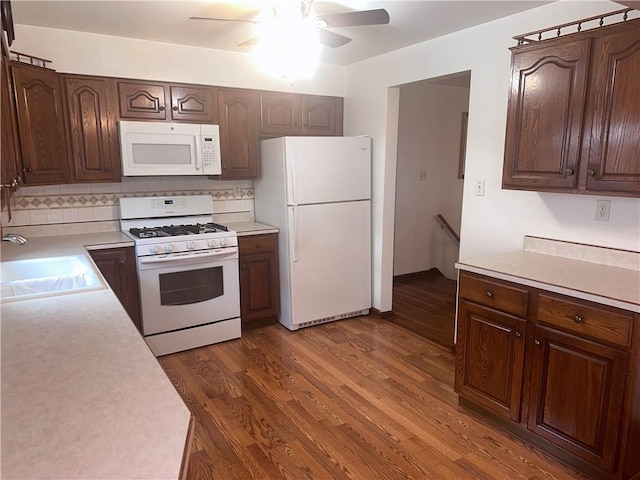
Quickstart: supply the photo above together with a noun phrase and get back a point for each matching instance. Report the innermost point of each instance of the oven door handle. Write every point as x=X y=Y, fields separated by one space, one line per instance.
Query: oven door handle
x=219 y=253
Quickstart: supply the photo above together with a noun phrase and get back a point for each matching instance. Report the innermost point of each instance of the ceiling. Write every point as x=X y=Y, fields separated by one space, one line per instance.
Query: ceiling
x=168 y=21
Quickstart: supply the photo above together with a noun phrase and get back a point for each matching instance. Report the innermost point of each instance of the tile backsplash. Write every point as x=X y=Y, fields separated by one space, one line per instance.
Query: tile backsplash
x=88 y=208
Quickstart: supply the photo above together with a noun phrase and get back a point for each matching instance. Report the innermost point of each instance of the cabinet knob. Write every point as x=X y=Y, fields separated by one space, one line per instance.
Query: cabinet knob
x=536 y=342
x=489 y=294
x=175 y=108
x=590 y=173
x=258 y=245
x=568 y=172
x=577 y=319
x=28 y=169
x=123 y=261
x=518 y=335
x=161 y=108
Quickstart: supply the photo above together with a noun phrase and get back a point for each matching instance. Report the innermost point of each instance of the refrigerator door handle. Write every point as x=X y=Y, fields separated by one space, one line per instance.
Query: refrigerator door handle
x=294 y=232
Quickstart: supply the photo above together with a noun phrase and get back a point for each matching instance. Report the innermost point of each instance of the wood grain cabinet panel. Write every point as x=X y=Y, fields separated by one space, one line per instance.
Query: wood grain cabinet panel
x=193 y=104
x=259 y=285
x=613 y=159
x=118 y=267
x=280 y=114
x=321 y=115
x=490 y=358
x=545 y=112
x=42 y=127
x=576 y=395
x=142 y=101
x=93 y=130
x=10 y=169
x=238 y=117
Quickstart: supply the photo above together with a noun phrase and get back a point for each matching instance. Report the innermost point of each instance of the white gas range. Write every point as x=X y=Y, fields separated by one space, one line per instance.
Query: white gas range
x=187 y=269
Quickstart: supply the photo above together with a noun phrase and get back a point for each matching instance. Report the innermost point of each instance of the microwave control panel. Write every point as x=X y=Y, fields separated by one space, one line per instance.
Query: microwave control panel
x=209 y=153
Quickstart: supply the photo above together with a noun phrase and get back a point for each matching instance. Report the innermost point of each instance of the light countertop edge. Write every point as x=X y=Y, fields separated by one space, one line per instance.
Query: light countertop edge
x=251 y=228
x=606 y=285
x=82 y=394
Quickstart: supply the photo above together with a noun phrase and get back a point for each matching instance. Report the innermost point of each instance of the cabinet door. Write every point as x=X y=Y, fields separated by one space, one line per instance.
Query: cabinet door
x=576 y=395
x=10 y=172
x=42 y=128
x=545 y=116
x=238 y=116
x=118 y=267
x=193 y=104
x=614 y=163
x=142 y=101
x=280 y=114
x=490 y=358
x=93 y=131
x=321 y=115
x=259 y=291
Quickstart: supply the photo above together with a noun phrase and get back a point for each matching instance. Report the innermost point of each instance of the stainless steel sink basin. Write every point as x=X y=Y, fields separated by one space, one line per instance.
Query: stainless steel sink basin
x=45 y=277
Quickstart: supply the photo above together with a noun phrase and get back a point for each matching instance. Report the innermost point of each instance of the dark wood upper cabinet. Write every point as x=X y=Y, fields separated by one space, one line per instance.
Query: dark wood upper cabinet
x=238 y=117
x=142 y=101
x=573 y=114
x=321 y=115
x=163 y=101
x=280 y=114
x=93 y=130
x=42 y=127
x=613 y=159
x=544 y=120
x=10 y=171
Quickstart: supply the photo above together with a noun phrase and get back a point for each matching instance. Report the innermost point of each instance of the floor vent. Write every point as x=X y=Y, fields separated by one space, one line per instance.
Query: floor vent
x=335 y=317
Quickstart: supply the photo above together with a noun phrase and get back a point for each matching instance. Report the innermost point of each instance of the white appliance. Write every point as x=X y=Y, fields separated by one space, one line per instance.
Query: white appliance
x=187 y=270
x=158 y=148
x=317 y=191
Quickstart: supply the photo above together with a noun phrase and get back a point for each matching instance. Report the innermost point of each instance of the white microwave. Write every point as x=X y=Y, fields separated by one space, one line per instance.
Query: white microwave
x=156 y=148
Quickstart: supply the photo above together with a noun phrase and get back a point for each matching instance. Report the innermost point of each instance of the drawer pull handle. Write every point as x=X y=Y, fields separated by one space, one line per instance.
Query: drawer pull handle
x=489 y=294
x=568 y=172
x=518 y=334
x=536 y=342
x=258 y=245
x=578 y=319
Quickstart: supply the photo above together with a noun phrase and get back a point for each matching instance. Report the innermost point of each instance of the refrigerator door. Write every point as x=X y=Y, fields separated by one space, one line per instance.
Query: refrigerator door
x=327 y=169
x=329 y=261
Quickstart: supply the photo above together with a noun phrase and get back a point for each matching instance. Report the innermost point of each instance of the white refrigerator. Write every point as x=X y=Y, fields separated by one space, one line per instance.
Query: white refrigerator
x=317 y=191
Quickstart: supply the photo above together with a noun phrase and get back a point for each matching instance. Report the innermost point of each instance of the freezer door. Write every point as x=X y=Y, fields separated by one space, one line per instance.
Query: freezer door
x=330 y=261
x=327 y=169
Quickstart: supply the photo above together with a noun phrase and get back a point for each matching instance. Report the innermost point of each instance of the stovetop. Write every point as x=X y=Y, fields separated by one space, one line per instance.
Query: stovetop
x=177 y=230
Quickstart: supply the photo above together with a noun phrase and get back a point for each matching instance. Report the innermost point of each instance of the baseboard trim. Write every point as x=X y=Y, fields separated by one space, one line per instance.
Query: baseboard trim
x=382 y=315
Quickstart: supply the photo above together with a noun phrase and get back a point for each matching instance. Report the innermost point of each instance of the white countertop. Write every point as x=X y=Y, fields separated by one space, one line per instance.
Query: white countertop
x=82 y=395
x=601 y=283
x=251 y=228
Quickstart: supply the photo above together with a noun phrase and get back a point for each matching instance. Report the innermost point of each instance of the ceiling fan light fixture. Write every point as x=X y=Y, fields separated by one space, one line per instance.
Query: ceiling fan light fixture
x=288 y=48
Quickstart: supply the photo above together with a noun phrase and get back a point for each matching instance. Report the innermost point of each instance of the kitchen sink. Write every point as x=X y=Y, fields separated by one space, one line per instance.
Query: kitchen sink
x=45 y=277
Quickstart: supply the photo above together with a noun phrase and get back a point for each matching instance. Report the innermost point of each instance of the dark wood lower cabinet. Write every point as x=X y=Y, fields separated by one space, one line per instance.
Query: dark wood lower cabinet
x=118 y=267
x=563 y=373
x=259 y=286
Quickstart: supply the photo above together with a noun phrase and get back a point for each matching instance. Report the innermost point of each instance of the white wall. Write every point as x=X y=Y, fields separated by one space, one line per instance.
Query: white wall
x=93 y=54
x=496 y=222
x=430 y=123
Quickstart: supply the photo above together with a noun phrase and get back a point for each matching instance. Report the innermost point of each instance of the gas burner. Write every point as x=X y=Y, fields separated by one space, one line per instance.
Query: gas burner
x=148 y=232
x=201 y=228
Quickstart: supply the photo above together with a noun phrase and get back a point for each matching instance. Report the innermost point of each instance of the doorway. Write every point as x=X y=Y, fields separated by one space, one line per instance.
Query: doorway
x=429 y=183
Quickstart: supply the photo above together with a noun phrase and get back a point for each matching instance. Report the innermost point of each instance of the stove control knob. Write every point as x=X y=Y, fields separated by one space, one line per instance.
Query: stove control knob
x=168 y=247
x=214 y=243
x=191 y=245
x=154 y=248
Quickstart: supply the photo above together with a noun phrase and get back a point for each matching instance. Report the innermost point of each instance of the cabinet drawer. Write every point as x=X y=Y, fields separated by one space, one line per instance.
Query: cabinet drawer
x=494 y=293
x=257 y=243
x=585 y=319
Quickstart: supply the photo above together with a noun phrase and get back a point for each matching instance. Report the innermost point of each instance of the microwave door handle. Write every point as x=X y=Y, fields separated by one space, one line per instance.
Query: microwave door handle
x=197 y=153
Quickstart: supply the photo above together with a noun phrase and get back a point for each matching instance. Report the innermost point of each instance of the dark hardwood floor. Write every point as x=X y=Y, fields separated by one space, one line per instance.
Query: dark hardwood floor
x=425 y=303
x=361 y=399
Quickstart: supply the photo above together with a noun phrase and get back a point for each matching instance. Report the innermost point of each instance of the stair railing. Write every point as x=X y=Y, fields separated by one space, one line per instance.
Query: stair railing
x=445 y=225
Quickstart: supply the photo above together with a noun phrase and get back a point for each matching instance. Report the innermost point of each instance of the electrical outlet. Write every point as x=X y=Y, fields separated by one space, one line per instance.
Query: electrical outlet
x=479 y=188
x=603 y=209
x=423 y=175
x=237 y=191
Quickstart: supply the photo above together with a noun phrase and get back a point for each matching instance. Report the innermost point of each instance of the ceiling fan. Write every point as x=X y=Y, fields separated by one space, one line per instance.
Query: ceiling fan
x=322 y=22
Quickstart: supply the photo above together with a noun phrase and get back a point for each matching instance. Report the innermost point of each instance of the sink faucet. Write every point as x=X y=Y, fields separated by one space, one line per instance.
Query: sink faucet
x=14 y=238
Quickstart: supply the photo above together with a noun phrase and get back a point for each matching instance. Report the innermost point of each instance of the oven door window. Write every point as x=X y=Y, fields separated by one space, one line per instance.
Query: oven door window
x=191 y=286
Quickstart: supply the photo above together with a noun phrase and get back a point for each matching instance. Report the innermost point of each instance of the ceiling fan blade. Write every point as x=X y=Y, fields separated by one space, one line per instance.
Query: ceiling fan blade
x=249 y=43
x=223 y=19
x=355 y=19
x=331 y=39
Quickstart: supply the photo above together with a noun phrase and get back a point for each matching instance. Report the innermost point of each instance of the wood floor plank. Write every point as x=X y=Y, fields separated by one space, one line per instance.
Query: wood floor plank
x=357 y=399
